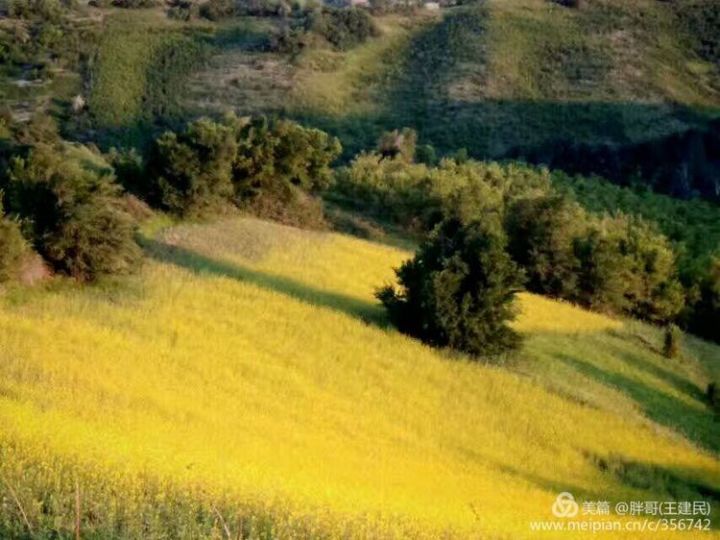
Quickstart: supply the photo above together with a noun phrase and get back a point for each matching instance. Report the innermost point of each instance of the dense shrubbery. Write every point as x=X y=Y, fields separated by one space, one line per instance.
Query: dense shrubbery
x=459 y=289
x=191 y=172
x=543 y=231
x=341 y=28
x=264 y=165
x=70 y=206
x=71 y=211
x=611 y=263
x=12 y=247
x=703 y=315
x=277 y=156
x=218 y=9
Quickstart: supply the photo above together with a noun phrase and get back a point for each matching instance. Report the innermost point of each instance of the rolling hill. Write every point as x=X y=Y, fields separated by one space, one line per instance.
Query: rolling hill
x=246 y=384
x=490 y=76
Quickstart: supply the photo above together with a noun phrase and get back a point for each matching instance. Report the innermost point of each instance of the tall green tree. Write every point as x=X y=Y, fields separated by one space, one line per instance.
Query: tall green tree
x=458 y=290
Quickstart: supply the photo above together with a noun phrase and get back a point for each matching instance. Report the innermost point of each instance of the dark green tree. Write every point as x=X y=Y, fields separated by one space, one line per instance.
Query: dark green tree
x=542 y=232
x=190 y=173
x=458 y=290
x=278 y=157
x=705 y=312
x=12 y=247
x=74 y=216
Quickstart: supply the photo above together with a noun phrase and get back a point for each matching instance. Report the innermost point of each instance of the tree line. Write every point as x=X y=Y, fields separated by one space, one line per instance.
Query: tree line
x=486 y=230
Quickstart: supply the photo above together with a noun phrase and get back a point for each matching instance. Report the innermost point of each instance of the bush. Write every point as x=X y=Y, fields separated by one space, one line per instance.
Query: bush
x=401 y=144
x=417 y=196
x=135 y=4
x=343 y=28
x=12 y=248
x=601 y=277
x=94 y=239
x=713 y=396
x=542 y=232
x=279 y=157
x=672 y=341
x=217 y=9
x=190 y=173
x=48 y=10
x=70 y=205
x=704 y=317
x=458 y=290
x=654 y=291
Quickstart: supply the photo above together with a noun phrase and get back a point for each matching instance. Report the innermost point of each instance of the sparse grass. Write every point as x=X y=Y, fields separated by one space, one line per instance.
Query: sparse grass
x=247 y=380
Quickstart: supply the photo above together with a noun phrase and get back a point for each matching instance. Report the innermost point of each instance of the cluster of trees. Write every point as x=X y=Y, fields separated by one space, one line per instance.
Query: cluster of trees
x=341 y=28
x=256 y=163
x=65 y=202
x=68 y=202
x=611 y=263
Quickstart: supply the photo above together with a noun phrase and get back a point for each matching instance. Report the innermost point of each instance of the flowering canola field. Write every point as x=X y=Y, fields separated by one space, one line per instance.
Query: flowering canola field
x=246 y=385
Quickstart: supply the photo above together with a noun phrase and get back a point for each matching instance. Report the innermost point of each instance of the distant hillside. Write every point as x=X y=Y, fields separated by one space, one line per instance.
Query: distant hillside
x=491 y=76
x=497 y=77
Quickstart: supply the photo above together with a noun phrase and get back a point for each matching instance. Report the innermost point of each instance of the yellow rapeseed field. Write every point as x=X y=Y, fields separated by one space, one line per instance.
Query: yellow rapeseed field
x=246 y=385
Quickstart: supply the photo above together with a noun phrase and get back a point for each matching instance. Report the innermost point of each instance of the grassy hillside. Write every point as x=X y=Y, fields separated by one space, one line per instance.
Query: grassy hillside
x=246 y=384
x=490 y=76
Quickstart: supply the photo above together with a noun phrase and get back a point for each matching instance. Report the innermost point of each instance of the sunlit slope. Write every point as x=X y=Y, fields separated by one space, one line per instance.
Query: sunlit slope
x=489 y=76
x=247 y=381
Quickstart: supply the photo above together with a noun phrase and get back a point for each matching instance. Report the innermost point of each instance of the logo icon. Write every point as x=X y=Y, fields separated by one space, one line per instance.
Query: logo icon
x=565 y=506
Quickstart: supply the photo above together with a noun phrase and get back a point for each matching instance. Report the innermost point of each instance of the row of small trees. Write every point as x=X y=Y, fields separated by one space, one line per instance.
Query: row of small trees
x=610 y=263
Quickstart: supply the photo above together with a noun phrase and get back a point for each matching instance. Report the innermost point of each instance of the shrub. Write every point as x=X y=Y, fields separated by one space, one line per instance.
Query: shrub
x=654 y=291
x=601 y=275
x=400 y=144
x=278 y=157
x=626 y=266
x=94 y=239
x=704 y=318
x=417 y=196
x=458 y=290
x=713 y=396
x=191 y=172
x=217 y=9
x=12 y=248
x=542 y=232
x=135 y=4
x=343 y=28
x=49 y=10
x=672 y=341
x=68 y=198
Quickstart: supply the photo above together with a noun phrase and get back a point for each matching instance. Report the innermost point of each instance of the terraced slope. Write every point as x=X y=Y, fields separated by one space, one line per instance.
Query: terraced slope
x=246 y=384
x=493 y=76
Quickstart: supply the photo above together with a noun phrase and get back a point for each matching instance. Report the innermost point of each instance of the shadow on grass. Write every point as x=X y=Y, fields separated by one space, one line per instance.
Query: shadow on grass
x=680 y=383
x=697 y=424
x=680 y=485
x=200 y=264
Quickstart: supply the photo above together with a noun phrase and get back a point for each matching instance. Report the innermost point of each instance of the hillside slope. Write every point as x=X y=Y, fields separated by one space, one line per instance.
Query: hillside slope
x=246 y=383
x=489 y=76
